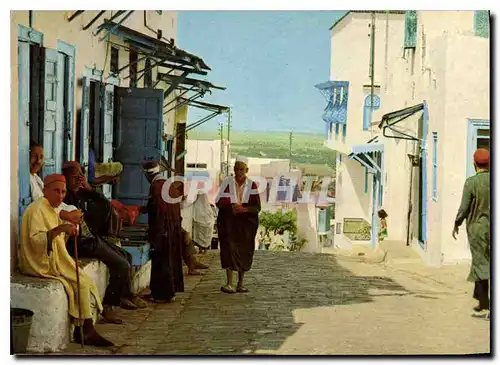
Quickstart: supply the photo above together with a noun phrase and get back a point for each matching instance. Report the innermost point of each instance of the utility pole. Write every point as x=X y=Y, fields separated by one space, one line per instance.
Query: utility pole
x=290 y=154
x=372 y=61
x=228 y=139
x=221 y=155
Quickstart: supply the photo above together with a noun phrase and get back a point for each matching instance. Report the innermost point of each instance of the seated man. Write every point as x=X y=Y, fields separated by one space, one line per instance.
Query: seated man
x=43 y=253
x=97 y=211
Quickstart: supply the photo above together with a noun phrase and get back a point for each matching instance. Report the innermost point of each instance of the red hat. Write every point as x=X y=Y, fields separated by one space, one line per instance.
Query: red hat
x=482 y=157
x=72 y=168
x=49 y=179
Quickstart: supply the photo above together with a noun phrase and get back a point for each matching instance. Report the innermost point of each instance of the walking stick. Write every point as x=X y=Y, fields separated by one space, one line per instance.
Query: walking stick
x=78 y=286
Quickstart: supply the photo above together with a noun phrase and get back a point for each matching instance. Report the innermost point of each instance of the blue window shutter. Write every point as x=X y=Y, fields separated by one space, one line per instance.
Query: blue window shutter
x=410 y=29
x=366 y=180
x=367 y=117
x=344 y=129
x=107 y=149
x=337 y=129
x=53 y=119
x=23 y=171
x=84 y=126
x=482 y=23
x=434 y=165
x=368 y=110
x=69 y=53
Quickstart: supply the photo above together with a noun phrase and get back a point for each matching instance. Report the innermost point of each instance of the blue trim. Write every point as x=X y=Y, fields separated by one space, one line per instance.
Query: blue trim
x=66 y=48
x=473 y=126
x=424 y=213
x=23 y=153
x=70 y=51
x=93 y=73
x=29 y=35
x=434 y=165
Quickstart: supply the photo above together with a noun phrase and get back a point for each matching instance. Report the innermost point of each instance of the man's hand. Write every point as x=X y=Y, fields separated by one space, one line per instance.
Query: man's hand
x=69 y=229
x=74 y=216
x=239 y=209
x=84 y=183
x=455 y=233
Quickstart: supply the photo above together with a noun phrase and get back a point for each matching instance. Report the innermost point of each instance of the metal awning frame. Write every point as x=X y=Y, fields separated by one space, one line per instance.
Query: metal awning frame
x=209 y=106
x=198 y=95
x=402 y=114
x=202 y=121
x=144 y=41
x=184 y=92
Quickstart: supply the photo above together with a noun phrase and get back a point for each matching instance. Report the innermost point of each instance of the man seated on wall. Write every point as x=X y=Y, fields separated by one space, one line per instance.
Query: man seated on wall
x=43 y=253
x=66 y=212
x=94 y=241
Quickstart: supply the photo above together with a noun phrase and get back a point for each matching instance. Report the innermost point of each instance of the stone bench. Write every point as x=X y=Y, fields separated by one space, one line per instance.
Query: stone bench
x=51 y=328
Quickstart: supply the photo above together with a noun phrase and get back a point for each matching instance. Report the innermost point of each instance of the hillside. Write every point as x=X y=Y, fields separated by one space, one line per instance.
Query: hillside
x=308 y=151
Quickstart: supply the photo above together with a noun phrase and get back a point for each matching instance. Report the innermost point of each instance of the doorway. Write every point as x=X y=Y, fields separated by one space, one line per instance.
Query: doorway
x=478 y=136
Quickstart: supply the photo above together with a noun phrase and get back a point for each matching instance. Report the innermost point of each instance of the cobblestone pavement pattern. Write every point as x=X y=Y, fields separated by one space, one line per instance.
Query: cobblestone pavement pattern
x=308 y=304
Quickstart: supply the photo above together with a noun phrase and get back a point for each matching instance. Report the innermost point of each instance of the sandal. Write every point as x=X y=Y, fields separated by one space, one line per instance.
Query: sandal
x=227 y=289
x=242 y=290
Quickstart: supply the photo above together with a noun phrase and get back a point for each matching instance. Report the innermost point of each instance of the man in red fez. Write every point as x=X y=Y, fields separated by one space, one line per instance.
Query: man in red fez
x=43 y=254
x=475 y=209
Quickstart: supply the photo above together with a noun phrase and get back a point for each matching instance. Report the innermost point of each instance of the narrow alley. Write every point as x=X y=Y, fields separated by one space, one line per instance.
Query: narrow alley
x=308 y=304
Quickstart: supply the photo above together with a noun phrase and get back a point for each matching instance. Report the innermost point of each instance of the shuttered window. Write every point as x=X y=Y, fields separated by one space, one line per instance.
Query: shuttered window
x=482 y=23
x=411 y=29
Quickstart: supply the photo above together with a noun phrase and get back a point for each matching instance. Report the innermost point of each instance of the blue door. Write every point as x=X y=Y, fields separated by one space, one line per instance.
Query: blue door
x=84 y=124
x=53 y=119
x=107 y=146
x=23 y=126
x=139 y=128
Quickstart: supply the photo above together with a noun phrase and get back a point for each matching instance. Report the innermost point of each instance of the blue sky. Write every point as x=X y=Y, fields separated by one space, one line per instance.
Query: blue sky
x=269 y=61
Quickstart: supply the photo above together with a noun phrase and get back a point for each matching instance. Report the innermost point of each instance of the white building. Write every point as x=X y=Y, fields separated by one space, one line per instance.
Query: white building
x=209 y=156
x=430 y=99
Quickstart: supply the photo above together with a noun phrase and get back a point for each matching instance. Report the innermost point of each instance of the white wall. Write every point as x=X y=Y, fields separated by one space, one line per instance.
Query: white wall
x=449 y=69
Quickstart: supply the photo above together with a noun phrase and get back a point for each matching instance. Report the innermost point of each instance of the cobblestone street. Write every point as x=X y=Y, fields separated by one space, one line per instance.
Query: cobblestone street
x=304 y=304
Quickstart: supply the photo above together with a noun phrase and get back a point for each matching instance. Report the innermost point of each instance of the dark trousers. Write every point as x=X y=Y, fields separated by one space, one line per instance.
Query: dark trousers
x=481 y=293
x=115 y=258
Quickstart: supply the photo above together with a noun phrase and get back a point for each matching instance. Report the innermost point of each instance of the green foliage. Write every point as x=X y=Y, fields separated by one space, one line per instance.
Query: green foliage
x=278 y=222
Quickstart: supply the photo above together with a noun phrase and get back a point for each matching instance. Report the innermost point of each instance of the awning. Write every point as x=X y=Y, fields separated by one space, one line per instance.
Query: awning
x=155 y=46
x=365 y=155
x=199 y=84
x=389 y=120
